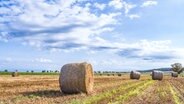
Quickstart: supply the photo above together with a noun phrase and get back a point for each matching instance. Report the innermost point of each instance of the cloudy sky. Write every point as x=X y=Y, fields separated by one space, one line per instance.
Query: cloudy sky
x=118 y=35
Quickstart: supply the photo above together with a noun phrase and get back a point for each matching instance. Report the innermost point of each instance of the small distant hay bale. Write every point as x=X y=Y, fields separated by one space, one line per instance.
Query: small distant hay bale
x=174 y=74
x=157 y=75
x=119 y=75
x=135 y=75
x=15 y=74
x=76 y=78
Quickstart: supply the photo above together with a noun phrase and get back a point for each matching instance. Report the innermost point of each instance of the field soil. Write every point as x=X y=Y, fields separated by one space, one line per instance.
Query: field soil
x=44 y=89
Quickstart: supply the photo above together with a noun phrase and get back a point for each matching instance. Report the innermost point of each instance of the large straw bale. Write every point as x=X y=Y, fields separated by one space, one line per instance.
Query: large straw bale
x=157 y=75
x=135 y=75
x=174 y=74
x=76 y=78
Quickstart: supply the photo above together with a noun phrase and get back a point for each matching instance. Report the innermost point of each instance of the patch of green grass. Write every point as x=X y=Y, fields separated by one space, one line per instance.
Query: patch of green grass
x=76 y=101
x=32 y=96
x=163 y=92
x=133 y=92
x=175 y=95
x=107 y=95
x=18 y=98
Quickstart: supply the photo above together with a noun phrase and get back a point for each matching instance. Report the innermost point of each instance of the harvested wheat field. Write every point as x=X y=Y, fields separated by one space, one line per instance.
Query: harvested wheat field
x=44 y=89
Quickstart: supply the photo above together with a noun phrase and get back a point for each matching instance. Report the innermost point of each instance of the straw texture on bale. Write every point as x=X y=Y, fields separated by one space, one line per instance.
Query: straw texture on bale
x=135 y=75
x=15 y=74
x=157 y=75
x=76 y=78
x=174 y=74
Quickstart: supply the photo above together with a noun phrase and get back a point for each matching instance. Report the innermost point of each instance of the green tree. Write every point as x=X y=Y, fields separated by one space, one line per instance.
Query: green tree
x=5 y=70
x=177 y=67
x=43 y=71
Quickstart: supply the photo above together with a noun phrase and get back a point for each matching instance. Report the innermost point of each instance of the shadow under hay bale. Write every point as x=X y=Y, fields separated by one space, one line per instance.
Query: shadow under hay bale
x=44 y=93
x=135 y=75
x=76 y=78
x=15 y=74
x=174 y=74
x=157 y=75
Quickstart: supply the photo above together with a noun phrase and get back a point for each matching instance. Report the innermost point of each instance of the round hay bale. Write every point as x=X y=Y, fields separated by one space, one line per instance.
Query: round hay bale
x=157 y=75
x=135 y=75
x=76 y=78
x=174 y=74
x=15 y=74
x=119 y=75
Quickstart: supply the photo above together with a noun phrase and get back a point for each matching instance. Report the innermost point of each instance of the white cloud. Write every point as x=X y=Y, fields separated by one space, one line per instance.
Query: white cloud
x=73 y=25
x=143 y=54
x=43 y=60
x=149 y=3
x=128 y=7
x=144 y=49
x=133 y=16
x=118 y=4
x=88 y=5
x=65 y=25
x=62 y=22
x=100 y=6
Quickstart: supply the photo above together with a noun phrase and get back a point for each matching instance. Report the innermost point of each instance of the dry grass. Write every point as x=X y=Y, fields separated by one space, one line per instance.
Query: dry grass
x=108 y=89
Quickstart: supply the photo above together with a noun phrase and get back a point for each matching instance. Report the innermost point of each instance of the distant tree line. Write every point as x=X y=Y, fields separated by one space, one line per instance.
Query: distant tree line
x=106 y=72
x=43 y=71
x=176 y=67
x=50 y=71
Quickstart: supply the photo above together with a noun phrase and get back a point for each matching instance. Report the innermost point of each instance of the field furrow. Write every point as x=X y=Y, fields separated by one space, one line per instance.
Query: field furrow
x=158 y=93
x=105 y=97
x=107 y=90
x=47 y=91
x=177 y=90
x=134 y=91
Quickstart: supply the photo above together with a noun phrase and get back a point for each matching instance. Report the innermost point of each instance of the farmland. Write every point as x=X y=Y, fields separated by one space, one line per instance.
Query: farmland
x=44 y=89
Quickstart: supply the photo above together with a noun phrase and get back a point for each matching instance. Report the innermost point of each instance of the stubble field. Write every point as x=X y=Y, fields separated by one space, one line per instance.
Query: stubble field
x=44 y=89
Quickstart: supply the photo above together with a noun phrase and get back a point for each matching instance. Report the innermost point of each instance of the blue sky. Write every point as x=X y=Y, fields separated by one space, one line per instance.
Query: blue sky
x=118 y=35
